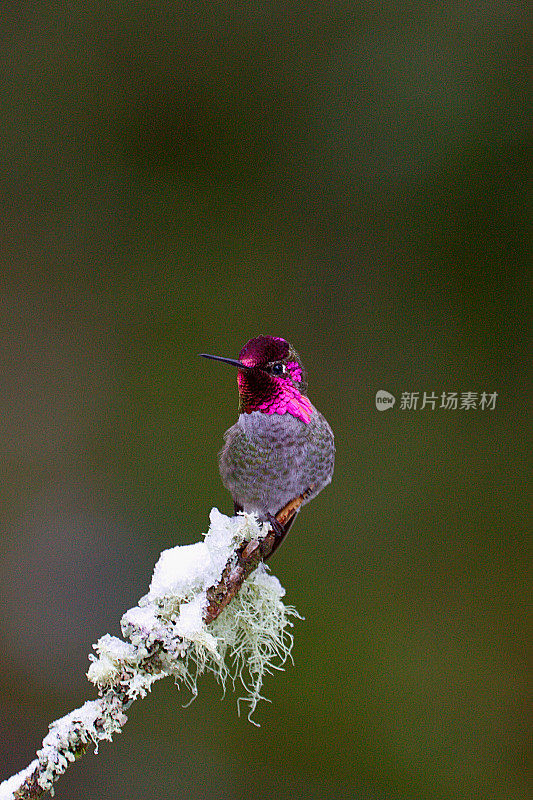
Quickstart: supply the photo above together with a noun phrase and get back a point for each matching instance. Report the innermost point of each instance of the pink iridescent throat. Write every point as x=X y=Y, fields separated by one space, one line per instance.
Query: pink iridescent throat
x=286 y=400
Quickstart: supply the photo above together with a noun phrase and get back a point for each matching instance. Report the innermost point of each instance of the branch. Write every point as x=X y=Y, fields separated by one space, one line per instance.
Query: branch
x=166 y=635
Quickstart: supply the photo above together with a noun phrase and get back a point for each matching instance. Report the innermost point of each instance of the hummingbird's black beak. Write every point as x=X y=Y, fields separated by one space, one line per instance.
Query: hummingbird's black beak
x=232 y=361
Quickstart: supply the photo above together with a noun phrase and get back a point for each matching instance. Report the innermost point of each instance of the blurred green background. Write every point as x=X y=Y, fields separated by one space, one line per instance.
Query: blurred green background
x=177 y=178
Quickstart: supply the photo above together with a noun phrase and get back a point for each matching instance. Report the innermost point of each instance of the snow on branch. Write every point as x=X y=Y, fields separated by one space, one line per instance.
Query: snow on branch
x=167 y=635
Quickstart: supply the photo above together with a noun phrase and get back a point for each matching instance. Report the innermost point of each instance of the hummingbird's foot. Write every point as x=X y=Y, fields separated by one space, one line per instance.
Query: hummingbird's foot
x=280 y=528
x=276 y=526
x=283 y=520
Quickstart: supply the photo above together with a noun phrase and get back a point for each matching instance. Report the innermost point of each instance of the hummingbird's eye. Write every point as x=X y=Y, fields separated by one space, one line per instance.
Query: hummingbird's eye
x=278 y=368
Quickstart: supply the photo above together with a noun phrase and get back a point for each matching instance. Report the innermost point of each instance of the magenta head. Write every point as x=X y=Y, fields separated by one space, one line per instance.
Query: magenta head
x=271 y=377
x=264 y=350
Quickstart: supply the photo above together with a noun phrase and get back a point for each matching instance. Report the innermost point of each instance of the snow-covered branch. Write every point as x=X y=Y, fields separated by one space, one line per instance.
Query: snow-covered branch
x=167 y=635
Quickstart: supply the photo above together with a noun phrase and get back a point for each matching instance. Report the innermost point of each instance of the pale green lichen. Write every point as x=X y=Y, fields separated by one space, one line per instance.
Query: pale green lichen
x=253 y=639
x=70 y=734
x=256 y=630
x=247 y=641
x=166 y=635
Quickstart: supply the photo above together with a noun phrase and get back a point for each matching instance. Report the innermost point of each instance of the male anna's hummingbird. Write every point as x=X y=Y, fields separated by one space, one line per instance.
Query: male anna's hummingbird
x=281 y=448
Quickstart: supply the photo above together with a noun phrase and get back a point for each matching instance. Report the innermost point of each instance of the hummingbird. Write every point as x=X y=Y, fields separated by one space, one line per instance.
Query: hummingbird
x=281 y=449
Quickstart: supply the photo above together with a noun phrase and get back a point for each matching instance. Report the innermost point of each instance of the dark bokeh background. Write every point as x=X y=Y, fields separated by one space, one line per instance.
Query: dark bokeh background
x=176 y=179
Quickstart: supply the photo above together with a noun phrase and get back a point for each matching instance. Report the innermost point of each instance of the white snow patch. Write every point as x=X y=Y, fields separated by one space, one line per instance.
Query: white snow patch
x=11 y=785
x=185 y=569
x=141 y=618
x=190 y=624
x=181 y=570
